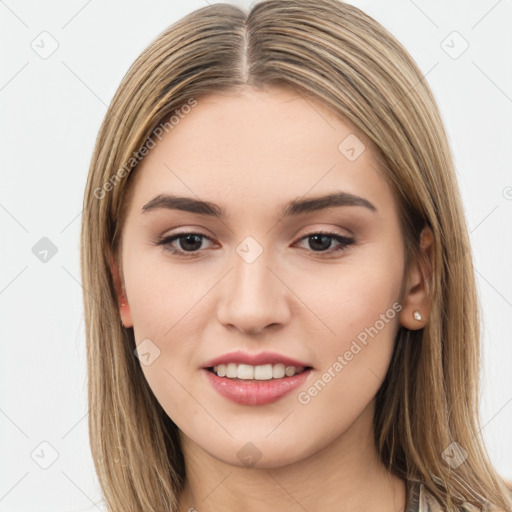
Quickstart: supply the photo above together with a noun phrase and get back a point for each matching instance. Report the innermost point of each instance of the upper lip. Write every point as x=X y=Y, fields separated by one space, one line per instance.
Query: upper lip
x=238 y=356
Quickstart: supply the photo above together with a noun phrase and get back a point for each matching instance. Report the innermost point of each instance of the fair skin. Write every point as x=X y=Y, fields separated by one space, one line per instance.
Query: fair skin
x=250 y=153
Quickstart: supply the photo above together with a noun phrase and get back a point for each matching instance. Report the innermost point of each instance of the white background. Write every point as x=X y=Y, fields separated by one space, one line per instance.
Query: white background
x=51 y=111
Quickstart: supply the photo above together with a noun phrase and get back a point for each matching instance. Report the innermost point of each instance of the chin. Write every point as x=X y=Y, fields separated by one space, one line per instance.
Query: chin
x=263 y=453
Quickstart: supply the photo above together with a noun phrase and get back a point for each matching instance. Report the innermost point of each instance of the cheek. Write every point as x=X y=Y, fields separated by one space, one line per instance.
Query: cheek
x=361 y=310
x=161 y=295
x=352 y=363
x=355 y=296
x=168 y=308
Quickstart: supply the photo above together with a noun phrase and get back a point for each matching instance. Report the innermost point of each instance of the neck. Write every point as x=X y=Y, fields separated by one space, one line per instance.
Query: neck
x=346 y=475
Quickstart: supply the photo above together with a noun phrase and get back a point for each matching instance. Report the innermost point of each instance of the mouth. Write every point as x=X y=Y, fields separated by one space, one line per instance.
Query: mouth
x=249 y=373
x=264 y=384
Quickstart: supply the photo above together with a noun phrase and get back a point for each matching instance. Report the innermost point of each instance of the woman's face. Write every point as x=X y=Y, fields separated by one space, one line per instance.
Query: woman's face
x=258 y=277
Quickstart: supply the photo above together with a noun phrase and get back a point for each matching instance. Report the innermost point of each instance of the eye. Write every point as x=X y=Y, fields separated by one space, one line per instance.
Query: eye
x=190 y=243
x=321 y=242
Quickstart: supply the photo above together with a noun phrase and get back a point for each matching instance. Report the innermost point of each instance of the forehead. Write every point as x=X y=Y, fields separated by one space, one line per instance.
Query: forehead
x=257 y=149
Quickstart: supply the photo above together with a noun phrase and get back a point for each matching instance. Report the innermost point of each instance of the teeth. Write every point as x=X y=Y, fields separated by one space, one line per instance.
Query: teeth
x=262 y=372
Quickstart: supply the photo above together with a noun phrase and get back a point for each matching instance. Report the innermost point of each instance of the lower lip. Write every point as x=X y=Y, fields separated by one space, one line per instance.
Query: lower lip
x=252 y=392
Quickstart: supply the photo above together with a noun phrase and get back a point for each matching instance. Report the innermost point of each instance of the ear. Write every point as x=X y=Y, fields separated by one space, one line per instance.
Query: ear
x=415 y=297
x=124 y=307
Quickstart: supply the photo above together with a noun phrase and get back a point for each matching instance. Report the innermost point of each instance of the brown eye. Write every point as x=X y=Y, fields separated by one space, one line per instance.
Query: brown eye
x=321 y=242
x=187 y=243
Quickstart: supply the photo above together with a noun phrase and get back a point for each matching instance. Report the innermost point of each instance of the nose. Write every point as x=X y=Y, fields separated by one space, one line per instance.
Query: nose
x=254 y=297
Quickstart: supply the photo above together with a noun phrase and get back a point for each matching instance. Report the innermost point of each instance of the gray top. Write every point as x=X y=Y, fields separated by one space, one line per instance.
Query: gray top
x=420 y=499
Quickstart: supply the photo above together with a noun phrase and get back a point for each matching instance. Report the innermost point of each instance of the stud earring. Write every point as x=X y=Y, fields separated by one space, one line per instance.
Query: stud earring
x=417 y=315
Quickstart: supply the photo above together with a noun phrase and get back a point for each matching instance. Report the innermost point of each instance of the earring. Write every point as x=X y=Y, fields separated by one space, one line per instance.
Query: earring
x=417 y=315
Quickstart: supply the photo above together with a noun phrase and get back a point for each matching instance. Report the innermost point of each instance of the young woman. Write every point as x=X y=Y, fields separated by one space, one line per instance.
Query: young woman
x=279 y=293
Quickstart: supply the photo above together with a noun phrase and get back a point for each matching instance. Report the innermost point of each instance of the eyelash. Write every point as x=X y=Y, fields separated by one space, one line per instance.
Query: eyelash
x=166 y=241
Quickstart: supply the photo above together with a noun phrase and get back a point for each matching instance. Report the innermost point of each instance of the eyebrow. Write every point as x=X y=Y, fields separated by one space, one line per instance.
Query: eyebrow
x=292 y=208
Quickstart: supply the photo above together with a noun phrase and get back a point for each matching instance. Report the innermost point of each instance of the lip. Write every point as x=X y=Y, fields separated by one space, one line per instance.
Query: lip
x=240 y=357
x=253 y=392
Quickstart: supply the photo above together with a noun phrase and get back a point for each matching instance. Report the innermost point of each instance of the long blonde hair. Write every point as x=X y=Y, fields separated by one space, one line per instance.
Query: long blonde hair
x=339 y=55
